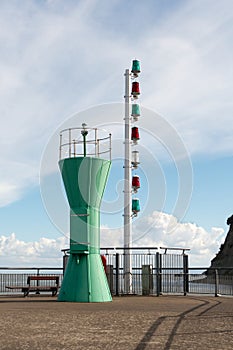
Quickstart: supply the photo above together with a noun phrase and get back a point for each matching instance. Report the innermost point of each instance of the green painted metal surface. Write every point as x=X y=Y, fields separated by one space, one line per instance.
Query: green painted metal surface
x=85 y=280
x=135 y=205
x=135 y=110
x=84 y=181
x=136 y=66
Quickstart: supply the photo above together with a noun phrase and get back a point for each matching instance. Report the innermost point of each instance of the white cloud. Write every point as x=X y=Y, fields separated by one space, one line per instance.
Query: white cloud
x=59 y=58
x=111 y=238
x=192 y=85
x=43 y=253
x=154 y=231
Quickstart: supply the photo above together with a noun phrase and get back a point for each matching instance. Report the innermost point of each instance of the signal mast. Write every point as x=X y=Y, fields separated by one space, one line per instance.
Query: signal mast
x=131 y=162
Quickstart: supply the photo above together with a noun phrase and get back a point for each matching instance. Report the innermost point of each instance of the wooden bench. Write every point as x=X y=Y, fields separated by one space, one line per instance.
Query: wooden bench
x=37 y=287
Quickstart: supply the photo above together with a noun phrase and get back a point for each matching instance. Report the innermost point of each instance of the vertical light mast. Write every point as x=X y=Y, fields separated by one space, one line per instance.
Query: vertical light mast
x=128 y=164
x=127 y=193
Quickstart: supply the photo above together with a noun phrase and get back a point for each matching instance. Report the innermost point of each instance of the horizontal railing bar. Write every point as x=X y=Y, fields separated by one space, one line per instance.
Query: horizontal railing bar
x=80 y=128
x=131 y=248
x=174 y=248
x=211 y=268
x=31 y=268
x=119 y=248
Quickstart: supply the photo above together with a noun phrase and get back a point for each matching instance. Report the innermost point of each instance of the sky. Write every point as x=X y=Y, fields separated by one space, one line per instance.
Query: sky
x=62 y=63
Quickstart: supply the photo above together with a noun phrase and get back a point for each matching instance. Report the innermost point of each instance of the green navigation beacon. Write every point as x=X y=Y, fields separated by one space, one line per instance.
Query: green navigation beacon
x=84 y=162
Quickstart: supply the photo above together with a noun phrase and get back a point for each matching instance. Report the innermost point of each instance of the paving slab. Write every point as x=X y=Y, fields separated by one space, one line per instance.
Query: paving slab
x=129 y=322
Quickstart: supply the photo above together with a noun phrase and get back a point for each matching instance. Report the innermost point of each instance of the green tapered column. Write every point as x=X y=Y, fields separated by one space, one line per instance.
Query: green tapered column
x=84 y=180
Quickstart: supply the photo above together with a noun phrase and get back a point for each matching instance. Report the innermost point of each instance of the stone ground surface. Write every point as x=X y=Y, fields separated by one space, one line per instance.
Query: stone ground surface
x=135 y=322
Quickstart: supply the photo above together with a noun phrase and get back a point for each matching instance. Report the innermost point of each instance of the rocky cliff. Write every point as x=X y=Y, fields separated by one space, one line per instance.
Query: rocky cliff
x=224 y=257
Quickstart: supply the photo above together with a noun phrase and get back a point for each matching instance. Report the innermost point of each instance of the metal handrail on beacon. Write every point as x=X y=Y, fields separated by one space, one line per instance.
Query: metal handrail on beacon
x=85 y=141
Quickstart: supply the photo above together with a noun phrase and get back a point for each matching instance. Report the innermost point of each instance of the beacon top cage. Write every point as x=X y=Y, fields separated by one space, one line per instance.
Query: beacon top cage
x=85 y=142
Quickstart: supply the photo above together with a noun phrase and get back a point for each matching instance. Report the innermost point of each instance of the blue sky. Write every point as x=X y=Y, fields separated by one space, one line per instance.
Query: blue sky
x=59 y=59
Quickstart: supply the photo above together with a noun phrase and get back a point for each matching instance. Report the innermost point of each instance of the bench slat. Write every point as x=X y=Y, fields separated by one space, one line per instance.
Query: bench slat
x=43 y=278
x=41 y=288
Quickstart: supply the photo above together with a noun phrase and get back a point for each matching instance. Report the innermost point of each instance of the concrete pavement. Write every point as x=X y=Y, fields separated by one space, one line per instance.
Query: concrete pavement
x=132 y=322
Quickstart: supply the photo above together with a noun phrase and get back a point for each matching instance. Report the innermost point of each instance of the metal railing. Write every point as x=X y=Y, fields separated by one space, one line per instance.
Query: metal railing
x=17 y=276
x=85 y=141
x=153 y=273
x=148 y=281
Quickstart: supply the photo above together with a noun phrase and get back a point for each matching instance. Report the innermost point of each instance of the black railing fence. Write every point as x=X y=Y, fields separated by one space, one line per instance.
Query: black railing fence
x=17 y=276
x=153 y=273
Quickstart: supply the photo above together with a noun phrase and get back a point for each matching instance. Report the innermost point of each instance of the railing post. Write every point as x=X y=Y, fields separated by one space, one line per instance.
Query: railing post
x=37 y=282
x=65 y=261
x=158 y=274
x=216 y=283
x=117 y=274
x=147 y=279
x=109 y=274
x=60 y=148
x=69 y=143
x=185 y=274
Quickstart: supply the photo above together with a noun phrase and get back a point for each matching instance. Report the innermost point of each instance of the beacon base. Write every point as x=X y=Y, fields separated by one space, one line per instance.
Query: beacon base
x=85 y=280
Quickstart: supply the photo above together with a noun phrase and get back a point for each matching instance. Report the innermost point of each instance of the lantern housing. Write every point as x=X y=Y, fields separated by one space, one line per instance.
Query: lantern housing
x=135 y=183
x=135 y=159
x=135 y=111
x=135 y=206
x=135 y=89
x=135 y=134
x=135 y=68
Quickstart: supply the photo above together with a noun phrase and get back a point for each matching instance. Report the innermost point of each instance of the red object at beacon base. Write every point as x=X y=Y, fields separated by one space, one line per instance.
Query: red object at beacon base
x=104 y=262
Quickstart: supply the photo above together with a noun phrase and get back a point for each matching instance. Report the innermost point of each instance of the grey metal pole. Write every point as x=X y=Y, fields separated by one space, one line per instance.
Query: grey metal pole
x=127 y=193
